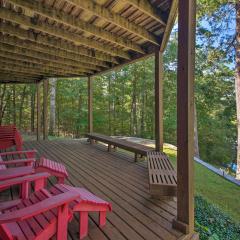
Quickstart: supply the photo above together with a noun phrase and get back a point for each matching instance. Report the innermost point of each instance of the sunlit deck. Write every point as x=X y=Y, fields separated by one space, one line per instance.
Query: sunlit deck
x=118 y=179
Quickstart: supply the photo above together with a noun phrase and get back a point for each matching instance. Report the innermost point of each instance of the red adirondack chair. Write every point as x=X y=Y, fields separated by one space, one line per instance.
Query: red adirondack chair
x=20 y=163
x=41 y=216
x=9 y=137
x=85 y=202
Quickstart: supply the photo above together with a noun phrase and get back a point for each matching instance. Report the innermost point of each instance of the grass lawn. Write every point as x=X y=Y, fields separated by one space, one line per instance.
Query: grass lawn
x=214 y=188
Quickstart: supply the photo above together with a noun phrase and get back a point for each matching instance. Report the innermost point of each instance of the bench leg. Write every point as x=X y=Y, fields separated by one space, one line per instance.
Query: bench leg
x=135 y=157
x=109 y=148
x=102 y=218
x=138 y=157
x=83 y=224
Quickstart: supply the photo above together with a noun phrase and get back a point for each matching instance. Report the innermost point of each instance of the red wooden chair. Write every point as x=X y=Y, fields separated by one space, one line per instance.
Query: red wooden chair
x=9 y=137
x=20 y=163
x=41 y=216
x=85 y=202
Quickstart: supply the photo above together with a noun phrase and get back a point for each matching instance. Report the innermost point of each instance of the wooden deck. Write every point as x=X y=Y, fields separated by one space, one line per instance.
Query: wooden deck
x=118 y=179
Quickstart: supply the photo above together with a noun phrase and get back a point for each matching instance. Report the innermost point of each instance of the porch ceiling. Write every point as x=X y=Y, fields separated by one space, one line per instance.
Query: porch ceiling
x=70 y=38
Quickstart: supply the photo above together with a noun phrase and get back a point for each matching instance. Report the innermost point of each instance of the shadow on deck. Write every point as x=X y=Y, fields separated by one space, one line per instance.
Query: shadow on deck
x=116 y=178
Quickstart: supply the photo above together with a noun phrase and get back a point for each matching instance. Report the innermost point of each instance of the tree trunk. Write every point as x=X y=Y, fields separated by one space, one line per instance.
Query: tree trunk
x=109 y=107
x=1 y=102
x=52 y=120
x=4 y=107
x=196 y=146
x=237 y=85
x=78 y=133
x=134 y=104
x=33 y=95
x=142 y=126
x=14 y=104
x=122 y=103
x=21 y=106
x=114 y=103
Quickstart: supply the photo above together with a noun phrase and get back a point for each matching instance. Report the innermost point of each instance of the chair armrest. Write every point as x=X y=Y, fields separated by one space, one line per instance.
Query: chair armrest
x=33 y=152
x=28 y=160
x=24 y=179
x=40 y=207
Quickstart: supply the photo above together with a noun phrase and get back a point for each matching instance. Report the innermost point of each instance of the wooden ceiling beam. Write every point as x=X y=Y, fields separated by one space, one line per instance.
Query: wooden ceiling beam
x=96 y=57
x=16 y=81
x=17 y=71
x=73 y=22
x=31 y=70
x=33 y=23
x=170 y=23
x=22 y=58
x=146 y=7
x=114 y=18
x=42 y=56
x=14 y=77
x=78 y=62
x=37 y=67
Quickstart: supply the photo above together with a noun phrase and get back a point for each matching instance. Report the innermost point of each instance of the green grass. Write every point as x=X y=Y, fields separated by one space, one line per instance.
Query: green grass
x=215 y=189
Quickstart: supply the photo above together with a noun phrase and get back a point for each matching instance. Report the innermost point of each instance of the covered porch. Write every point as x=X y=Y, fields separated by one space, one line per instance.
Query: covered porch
x=79 y=38
x=116 y=178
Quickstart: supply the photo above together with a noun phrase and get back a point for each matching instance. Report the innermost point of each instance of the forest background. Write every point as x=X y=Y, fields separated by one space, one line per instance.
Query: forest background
x=124 y=99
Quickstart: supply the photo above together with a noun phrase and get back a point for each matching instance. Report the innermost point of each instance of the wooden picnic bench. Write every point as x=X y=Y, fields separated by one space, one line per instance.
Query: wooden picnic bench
x=162 y=176
x=113 y=143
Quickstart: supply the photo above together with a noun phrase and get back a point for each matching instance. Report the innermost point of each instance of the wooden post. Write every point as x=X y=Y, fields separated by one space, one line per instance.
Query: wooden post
x=185 y=116
x=90 y=105
x=38 y=112
x=45 y=109
x=159 y=101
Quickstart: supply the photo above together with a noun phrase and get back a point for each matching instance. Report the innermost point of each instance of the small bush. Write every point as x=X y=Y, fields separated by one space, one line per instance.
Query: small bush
x=212 y=224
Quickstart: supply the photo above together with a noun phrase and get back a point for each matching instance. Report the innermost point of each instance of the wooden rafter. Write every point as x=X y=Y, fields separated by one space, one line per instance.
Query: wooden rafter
x=14 y=81
x=40 y=68
x=114 y=18
x=15 y=17
x=41 y=56
x=71 y=21
x=16 y=78
x=96 y=57
x=53 y=53
x=147 y=8
x=171 y=20
x=31 y=71
x=22 y=58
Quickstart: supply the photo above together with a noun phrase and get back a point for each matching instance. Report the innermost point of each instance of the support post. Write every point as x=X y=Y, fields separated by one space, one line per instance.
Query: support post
x=90 y=105
x=185 y=116
x=38 y=112
x=159 y=101
x=45 y=109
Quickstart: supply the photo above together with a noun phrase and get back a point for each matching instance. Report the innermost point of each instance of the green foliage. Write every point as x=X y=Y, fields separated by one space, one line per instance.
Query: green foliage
x=212 y=224
x=214 y=188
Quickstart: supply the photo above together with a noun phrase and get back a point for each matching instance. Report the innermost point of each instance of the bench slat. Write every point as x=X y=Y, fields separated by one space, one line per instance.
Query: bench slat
x=162 y=176
x=126 y=145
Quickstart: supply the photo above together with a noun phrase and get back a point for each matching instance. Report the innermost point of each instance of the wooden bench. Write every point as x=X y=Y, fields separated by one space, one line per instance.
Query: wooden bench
x=162 y=176
x=138 y=149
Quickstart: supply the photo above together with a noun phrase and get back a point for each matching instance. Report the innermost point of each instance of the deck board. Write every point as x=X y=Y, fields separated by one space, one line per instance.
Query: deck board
x=116 y=178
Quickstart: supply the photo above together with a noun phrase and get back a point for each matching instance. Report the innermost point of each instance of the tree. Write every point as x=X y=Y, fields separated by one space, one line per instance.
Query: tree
x=52 y=119
x=237 y=85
